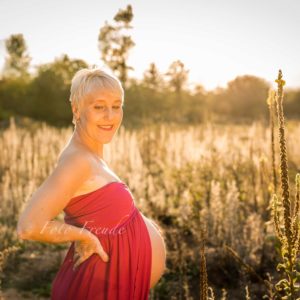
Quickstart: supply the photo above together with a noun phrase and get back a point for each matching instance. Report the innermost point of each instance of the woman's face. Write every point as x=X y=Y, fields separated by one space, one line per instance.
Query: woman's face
x=101 y=115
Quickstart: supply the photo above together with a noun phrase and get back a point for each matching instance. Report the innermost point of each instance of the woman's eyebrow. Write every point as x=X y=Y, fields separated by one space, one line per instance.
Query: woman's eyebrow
x=102 y=100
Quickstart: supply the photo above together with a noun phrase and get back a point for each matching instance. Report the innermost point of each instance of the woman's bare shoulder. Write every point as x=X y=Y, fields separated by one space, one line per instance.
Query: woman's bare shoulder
x=70 y=151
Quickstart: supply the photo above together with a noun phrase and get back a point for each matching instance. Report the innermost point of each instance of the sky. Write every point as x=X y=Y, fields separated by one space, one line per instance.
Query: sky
x=216 y=40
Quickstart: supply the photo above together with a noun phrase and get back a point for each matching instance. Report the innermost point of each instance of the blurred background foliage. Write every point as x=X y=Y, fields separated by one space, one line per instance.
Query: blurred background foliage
x=42 y=92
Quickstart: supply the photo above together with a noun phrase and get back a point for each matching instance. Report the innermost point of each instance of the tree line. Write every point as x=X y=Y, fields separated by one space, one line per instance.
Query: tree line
x=158 y=97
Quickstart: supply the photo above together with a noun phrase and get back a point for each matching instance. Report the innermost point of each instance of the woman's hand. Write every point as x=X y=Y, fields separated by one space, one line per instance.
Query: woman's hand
x=83 y=249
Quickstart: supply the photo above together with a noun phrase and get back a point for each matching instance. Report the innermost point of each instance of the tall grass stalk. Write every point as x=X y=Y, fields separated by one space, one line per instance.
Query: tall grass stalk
x=203 y=272
x=286 y=225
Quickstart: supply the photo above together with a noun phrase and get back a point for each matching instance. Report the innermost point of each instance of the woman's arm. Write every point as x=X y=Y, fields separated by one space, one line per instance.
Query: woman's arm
x=56 y=232
x=35 y=222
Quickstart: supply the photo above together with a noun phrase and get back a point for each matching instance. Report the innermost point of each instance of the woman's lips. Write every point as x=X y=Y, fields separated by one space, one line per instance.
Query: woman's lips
x=106 y=128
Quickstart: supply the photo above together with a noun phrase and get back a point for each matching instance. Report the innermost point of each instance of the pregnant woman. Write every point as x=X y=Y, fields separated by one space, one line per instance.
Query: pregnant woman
x=115 y=252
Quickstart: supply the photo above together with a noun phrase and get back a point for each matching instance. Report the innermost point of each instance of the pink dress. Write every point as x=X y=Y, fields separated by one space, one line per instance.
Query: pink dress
x=110 y=213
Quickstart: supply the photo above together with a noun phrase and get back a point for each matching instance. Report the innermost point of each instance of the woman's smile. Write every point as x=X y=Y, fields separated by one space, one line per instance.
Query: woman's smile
x=106 y=127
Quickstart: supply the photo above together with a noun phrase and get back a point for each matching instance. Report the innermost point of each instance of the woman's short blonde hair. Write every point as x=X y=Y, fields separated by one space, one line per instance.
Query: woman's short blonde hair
x=86 y=80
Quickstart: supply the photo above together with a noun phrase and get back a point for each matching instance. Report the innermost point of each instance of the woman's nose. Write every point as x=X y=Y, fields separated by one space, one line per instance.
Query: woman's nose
x=108 y=114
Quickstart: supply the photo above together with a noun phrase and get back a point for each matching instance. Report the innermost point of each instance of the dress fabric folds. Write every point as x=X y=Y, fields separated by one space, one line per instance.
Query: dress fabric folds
x=111 y=214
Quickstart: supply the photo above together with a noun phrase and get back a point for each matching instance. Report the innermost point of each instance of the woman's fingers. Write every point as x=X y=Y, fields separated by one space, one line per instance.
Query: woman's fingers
x=104 y=256
x=83 y=251
x=76 y=256
x=77 y=263
x=76 y=259
x=102 y=253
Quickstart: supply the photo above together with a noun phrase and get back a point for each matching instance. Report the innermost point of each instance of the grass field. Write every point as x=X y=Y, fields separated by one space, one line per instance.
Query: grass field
x=216 y=177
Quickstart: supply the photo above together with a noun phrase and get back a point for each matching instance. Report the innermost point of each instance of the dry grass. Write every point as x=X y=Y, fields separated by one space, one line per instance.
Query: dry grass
x=217 y=175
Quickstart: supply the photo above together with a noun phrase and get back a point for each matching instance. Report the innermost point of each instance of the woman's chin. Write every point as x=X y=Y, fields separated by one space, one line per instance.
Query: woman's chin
x=105 y=140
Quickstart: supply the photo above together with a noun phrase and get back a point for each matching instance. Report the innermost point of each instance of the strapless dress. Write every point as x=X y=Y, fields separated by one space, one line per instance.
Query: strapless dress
x=111 y=214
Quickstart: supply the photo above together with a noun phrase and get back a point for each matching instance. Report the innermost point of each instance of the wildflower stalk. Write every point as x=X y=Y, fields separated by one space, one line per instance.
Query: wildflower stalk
x=247 y=267
x=203 y=272
x=296 y=215
x=289 y=236
x=283 y=161
x=247 y=293
x=276 y=218
x=271 y=104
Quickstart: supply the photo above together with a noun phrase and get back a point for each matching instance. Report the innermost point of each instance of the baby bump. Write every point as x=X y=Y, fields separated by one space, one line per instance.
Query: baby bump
x=158 y=251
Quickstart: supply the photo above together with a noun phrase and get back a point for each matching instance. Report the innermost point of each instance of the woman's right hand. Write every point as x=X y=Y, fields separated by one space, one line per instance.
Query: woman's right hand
x=83 y=249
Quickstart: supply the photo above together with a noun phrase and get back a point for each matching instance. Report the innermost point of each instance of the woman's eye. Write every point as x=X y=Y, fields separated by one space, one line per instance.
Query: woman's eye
x=101 y=107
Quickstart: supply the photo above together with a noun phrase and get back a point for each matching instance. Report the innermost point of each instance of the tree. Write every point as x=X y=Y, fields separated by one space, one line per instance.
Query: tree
x=199 y=90
x=50 y=90
x=64 y=67
x=178 y=76
x=152 y=78
x=243 y=99
x=115 y=46
x=18 y=60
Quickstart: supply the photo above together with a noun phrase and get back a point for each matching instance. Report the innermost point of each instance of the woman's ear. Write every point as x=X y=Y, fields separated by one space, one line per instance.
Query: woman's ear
x=75 y=114
x=75 y=111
